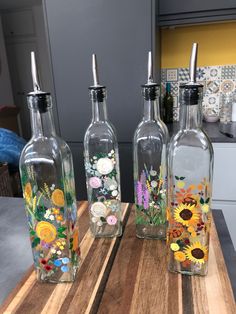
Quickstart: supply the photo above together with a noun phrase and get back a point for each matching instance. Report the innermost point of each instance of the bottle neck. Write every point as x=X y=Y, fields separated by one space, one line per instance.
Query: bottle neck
x=151 y=110
x=42 y=123
x=99 y=106
x=41 y=117
x=191 y=106
x=190 y=117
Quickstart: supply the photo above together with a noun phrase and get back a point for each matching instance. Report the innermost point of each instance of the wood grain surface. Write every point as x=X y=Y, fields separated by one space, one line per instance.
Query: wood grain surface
x=126 y=275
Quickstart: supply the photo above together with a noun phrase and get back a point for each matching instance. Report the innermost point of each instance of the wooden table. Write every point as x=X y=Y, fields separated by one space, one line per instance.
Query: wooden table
x=126 y=275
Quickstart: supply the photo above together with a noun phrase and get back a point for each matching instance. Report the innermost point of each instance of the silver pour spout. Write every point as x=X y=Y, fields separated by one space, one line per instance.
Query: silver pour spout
x=95 y=70
x=150 y=77
x=193 y=64
x=34 y=73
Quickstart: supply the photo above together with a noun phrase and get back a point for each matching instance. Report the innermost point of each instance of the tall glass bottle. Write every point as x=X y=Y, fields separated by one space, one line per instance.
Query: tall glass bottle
x=190 y=184
x=47 y=179
x=102 y=166
x=150 y=168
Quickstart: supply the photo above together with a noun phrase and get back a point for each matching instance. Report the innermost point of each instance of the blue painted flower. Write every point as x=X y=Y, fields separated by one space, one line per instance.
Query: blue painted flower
x=64 y=269
x=57 y=262
x=65 y=260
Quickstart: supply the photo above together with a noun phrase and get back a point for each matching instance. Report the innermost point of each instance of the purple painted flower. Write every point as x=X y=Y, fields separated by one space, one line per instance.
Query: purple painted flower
x=143 y=178
x=139 y=193
x=46 y=245
x=145 y=198
x=111 y=220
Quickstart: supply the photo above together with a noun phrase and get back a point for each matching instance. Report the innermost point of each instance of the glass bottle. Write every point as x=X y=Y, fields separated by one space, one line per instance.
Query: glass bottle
x=168 y=103
x=190 y=167
x=102 y=166
x=150 y=157
x=47 y=178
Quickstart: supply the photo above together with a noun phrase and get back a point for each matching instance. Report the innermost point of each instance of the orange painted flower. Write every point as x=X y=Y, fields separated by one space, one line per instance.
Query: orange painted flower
x=46 y=231
x=28 y=192
x=75 y=240
x=58 y=197
x=56 y=211
x=59 y=217
x=179 y=256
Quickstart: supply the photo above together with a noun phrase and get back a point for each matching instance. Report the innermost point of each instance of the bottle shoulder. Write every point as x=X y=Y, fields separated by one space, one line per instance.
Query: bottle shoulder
x=100 y=130
x=48 y=147
x=191 y=137
x=152 y=128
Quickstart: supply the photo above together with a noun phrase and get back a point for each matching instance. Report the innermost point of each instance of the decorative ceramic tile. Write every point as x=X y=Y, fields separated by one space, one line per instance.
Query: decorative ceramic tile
x=228 y=72
x=227 y=86
x=211 y=101
x=171 y=75
x=183 y=75
x=163 y=88
x=175 y=102
x=174 y=88
x=176 y=114
x=201 y=73
x=212 y=87
x=213 y=73
x=163 y=75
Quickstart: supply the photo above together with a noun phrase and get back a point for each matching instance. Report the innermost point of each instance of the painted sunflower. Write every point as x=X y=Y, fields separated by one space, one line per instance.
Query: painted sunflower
x=28 y=192
x=196 y=253
x=186 y=214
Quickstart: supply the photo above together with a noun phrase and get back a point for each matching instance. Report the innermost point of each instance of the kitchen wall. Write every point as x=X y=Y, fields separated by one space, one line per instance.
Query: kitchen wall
x=216 y=61
x=6 y=97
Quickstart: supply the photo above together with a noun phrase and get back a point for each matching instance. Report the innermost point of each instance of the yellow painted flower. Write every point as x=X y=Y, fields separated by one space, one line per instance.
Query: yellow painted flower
x=59 y=217
x=196 y=253
x=56 y=211
x=174 y=247
x=58 y=197
x=46 y=231
x=180 y=184
x=186 y=214
x=180 y=256
x=28 y=192
x=205 y=208
x=193 y=234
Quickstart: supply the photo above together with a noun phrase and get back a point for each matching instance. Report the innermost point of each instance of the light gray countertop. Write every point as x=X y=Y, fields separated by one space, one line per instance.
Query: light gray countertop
x=15 y=248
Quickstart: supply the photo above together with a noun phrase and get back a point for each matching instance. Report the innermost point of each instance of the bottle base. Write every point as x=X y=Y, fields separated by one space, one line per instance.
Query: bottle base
x=201 y=273
x=106 y=233
x=151 y=232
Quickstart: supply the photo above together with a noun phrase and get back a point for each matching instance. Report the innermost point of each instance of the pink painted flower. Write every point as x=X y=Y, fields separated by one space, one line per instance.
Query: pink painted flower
x=111 y=220
x=95 y=182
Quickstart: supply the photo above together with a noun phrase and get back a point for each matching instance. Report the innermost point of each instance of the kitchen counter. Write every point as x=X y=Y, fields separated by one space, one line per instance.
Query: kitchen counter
x=115 y=274
x=212 y=130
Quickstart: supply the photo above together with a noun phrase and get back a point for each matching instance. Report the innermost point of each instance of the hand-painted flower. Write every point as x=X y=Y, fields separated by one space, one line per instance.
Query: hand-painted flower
x=114 y=193
x=104 y=165
x=205 y=208
x=111 y=220
x=95 y=182
x=98 y=209
x=75 y=240
x=65 y=260
x=154 y=184
x=174 y=247
x=153 y=173
x=99 y=223
x=46 y=231
x=28 y=192
x=58 y=197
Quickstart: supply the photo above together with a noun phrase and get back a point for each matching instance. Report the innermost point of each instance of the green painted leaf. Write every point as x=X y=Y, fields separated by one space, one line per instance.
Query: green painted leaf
x=61 y=229
x=103 y=219
x=177 y=178
x=61 y=235
x=207 y=200
x=32 y=232
x=69 y=199
x=201 y=200
x=182 y=178
x=35 y=242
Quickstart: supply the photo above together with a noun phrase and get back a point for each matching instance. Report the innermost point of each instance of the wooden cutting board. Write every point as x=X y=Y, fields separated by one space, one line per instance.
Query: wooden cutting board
x=126 y=275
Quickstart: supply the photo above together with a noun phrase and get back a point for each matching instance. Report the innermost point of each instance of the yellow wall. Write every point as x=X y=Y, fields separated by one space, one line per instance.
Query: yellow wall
x=217 y=45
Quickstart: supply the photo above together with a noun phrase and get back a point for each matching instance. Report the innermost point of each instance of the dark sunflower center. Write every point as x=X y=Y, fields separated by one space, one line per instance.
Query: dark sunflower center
x=186 y=214
x=197 y=253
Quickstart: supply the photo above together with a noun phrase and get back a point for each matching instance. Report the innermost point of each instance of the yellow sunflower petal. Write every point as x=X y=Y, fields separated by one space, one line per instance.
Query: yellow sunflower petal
x=186 y=214
x=197 y=253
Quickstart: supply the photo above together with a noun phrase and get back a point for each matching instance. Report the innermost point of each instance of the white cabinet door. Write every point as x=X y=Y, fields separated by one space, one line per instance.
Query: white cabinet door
x=18 y=23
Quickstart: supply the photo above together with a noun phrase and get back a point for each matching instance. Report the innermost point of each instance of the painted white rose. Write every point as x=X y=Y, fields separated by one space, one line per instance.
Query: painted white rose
x=153 y=173
x=98 y=209
x=104 y=165
x=154 y=184
x=114 y=193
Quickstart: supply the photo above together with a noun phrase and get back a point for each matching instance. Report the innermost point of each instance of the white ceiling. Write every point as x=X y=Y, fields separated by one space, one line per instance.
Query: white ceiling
x=14 y=4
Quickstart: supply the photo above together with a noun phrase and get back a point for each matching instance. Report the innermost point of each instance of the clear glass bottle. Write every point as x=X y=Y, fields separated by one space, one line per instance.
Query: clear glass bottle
x=102 y=166
x=190 y=167
x=150 y=168
x=47 y=178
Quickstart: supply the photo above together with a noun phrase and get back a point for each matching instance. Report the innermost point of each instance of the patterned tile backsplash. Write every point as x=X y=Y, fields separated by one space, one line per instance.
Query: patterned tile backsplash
x=216 y=80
